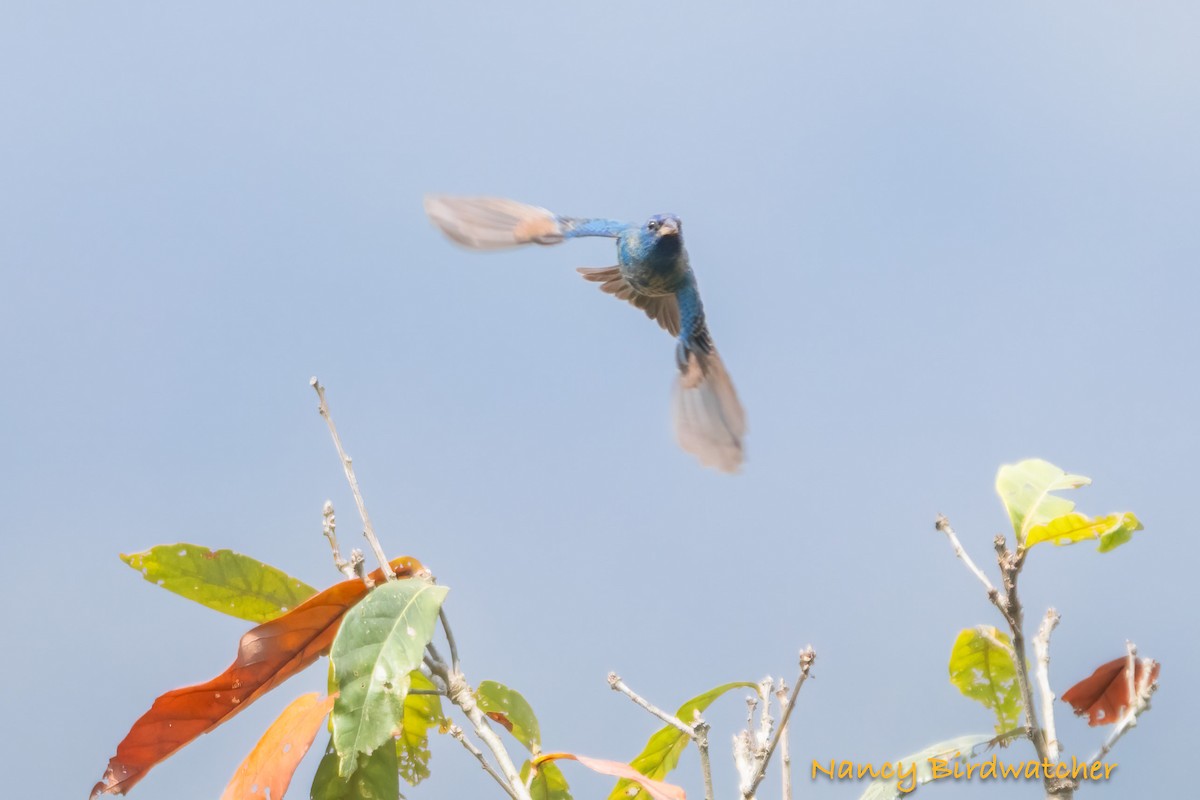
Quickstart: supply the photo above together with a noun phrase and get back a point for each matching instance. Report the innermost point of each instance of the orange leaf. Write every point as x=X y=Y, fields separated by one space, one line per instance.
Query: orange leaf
x=268 y=769
x=267 y=656
x=1104 y=695
x=658 y=790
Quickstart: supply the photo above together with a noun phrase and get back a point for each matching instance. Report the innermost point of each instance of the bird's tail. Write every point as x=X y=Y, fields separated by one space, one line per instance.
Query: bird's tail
x=492 y=223
x=709 y=420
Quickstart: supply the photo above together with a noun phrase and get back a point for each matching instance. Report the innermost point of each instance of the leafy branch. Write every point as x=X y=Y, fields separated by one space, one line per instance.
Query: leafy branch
x=388 y=678
x=994 y=669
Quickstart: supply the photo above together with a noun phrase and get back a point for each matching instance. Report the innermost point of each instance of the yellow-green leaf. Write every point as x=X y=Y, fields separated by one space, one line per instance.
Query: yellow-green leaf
x=1112 y=530
x=511 y=710
x=375 y=777
x=221 y=579
x=548 y=784
x=421 y=712
x=661 y=753
x=982 y=667
x=1025 y=489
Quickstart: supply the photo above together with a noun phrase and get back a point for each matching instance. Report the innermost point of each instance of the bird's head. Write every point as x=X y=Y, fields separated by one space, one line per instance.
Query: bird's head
x=662 y=226
x=661 y=236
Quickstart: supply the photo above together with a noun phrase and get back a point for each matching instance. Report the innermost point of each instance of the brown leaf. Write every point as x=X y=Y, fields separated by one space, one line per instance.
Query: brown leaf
x=658 y=790
x=268 y=769
x=500 y=718
x=267 y=656
x=1104 y=695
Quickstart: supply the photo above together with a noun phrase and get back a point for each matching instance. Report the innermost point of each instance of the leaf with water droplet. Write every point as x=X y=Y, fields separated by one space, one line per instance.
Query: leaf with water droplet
x=374 y=641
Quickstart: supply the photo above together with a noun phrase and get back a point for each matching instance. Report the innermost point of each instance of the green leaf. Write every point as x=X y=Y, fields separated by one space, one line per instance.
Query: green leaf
x=516 y=713
x=222 y=580
x=661 y=753
x=548 y=784
x=1112 y=530
x=374 y=779
x=380 y=642
x=981 y=666
x=1025 y=490
x=421 y=712
x=961 y=749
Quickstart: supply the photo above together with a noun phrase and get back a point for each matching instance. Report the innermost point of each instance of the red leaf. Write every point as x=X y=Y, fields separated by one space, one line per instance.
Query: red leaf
x=267 y=771
x=658 y=790
x=267 y=656
x=1104 y=695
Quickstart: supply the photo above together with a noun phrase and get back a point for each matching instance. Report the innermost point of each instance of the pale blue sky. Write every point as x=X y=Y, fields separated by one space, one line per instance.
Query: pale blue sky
x=932 y=238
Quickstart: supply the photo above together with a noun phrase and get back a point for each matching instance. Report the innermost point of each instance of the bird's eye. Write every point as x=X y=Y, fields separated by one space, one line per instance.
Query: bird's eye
x=653 y=225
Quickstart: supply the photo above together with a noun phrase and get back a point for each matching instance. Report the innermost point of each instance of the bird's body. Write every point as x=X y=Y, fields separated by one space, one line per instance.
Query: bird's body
x=654 y=274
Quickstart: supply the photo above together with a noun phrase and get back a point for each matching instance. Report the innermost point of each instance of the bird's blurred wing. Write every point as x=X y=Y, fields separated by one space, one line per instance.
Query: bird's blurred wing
x=709 y=420
x=663 y=309
x=492 y=223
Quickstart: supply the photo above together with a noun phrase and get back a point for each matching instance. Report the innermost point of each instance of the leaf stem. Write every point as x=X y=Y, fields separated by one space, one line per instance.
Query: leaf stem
x=449 y=639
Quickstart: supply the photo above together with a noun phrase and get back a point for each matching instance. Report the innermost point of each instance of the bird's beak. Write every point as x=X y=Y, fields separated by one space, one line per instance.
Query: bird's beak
x=669 y=227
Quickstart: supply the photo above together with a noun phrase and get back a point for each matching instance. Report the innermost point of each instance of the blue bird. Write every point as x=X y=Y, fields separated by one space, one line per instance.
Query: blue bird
x=652 y=273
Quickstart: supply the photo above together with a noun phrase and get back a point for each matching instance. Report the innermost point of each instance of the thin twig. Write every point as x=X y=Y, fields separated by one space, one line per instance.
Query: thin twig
x=348 y=467
x=701 y=727
x=459 y=692
x=358 y=566
x=449 y=639
x=697 y=731
x=943 y=525
x=807 y=656
x=1010 y=564
x=329 y=529
x=785 y=754
x=457 y=733
x=1041 y=648
x=1140 y=697
x=766 y=723
x=618 y=685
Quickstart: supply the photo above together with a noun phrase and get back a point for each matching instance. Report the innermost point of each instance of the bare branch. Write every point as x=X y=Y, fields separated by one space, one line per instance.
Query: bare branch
x=697 y=731
x=702 y=729
x=459 y=692
x=1041 y=648
x=785 y=754
x=348 y=467
x=618 y=685
x=329 y=529
x=807 y=656
x=457 y=733
x=357 y=564
x=766 y=723
x=1010 y=564
x=943 y=525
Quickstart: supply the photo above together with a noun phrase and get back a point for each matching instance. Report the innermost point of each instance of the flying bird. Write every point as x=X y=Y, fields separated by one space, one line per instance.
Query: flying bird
x=652 y=273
